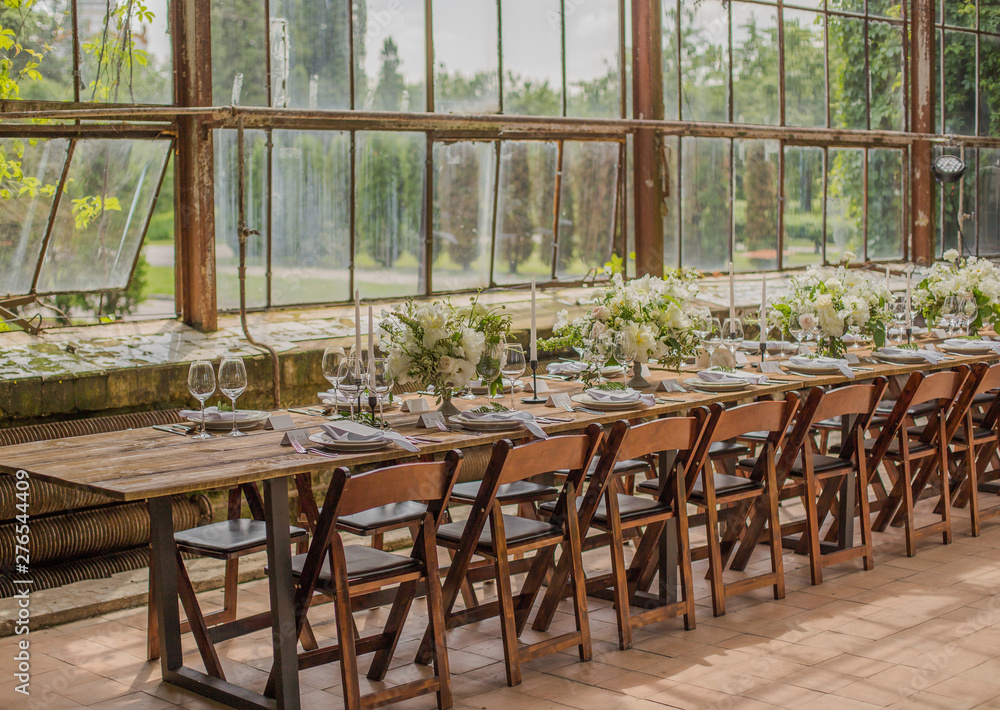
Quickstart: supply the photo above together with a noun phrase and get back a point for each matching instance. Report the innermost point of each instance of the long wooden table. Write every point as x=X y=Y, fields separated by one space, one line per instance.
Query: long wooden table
x=152 y=465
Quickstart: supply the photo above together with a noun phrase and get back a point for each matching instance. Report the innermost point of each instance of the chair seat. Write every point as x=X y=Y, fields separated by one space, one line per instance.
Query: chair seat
x=629 y=507
x=977 y=434
x=394 y=515
x=229 y=537
x=832 y=424
x=622 y=468
x=726 y=449
x=986 y=398
x=915 y=447
x=918 y=410
x=517 y=492
x=725 y=484
x=759 y=436
x=364 y=564
x=820 y=464
x=519 y=531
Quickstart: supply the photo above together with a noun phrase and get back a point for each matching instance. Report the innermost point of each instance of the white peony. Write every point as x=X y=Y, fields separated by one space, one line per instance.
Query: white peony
x=464 y=371
x=807 y=321
x=951 y=255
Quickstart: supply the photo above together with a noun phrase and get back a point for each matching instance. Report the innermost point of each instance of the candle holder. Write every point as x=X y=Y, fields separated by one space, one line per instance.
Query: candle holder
x=534 y=398
x=763 y=350
x=909 y=334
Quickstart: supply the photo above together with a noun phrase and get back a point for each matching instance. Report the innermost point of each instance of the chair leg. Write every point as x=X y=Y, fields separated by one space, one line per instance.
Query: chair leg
x=864 y=516
x=907 y=510
x=575 y=549
x=972 y=483
x=812 y=529
x=392 y=630
x=684 y=561
x=945 y=488
x=230 y=593
x=622 y=607
x=435 y=614
x=715 y=560
x=351 y=685
x=197 y=621
x=774 y=528
x=507 y=625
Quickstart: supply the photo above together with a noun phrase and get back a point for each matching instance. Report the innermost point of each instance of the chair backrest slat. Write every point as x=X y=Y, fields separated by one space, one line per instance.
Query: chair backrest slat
x=396 y=484
x=670 y=434
x=544 y=456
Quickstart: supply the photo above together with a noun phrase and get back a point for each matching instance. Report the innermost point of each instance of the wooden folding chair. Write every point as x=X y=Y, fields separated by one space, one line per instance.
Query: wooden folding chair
x=715 y=492
x=604 y=508
x=927 y=446
x=333 y=570
x=491 y=534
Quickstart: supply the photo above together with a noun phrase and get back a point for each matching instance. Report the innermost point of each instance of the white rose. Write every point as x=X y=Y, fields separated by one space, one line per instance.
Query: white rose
x=447 y=365
x=823 y=301
x=951 y=255
x=807 y=321
x=601 y=313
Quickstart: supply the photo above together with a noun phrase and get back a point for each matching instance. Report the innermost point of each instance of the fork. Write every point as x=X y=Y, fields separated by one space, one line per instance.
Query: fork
x=299 y=448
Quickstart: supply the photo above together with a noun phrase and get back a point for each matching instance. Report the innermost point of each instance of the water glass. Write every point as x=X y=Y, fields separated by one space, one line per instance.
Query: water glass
x=201 y=385
x=949 y=313
x=712 y=338
x=380 y=381
x=233 y=383
x=488 y=367
x=624 y=351
x=512 y=364
x=732 y=334
x=900 y=318
x=351 y=382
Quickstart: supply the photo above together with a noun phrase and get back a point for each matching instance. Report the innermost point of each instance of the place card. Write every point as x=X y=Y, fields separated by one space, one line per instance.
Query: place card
x=432 y=420
x=419 y=404
x=669 y=386
x=280 y=422
x=542 y=387
x=703 y=361
x=644 y=370
x=770 y=367
x=723 y=357
x=852 y=359
x=931 y=347
x=741 y=358
x=940 y=333
x=560 y=399
x=299 y=435
x=804 y=350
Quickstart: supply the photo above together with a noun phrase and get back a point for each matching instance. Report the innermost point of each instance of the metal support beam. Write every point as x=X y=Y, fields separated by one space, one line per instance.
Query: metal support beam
x=647 y=104
x=194 y=165
x=922 y=72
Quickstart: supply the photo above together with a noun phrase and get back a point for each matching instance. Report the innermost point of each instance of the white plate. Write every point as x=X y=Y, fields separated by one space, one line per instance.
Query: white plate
x=344 y=407
x=970 y=349
x=587 y=401
x=900 y=359
x=717 y=386
x=753 y=346
x=483 y=389
x=324 y=440
x=812 y=369
x=479 y=425
x=255 y=419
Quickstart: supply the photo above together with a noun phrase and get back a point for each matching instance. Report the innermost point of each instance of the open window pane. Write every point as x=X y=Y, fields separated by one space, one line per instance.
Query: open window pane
x=704 y=61
x=310 y=54
x=593 y=78
x=227 y=249
x=756 y=98
x=803 y=206
x=705 y=203
x=311 y=226
x=532 y=57
x=885 y=204
x=989 y=201
x=239 y=35
x=848 y=85
x=671 y=103
x=845 y=203
x=464 y=175
x=587 y=207
x=389 y=56
x=102 y=215
x=466 y=58
x=25 y=216
x=989 y=94
x=389 y=251
x=523 y=247
x=805 y=69
x=46 y=28
x=755 y=205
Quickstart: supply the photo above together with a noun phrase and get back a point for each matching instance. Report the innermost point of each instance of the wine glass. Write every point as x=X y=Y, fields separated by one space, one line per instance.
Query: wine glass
x=350 y=381
x=380 y=380
x=900 y=317
x=488 y=367
x=512 y=364
x=233 y=383
x=201 y=385
x=331 y=369
x=624 y=352
x=732 y=334
x=597 y=355
x=712 y=338
x=967 y=308
x=796 y=330
x=949 y=312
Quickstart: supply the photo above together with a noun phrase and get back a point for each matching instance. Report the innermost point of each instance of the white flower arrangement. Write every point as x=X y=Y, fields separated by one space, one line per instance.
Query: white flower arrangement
x=654 y=311
x=953 y=277
x=831 y=302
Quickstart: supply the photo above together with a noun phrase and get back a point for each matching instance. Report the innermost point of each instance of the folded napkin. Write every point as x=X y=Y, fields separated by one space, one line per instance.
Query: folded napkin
x=931 y=357
x=527 y=419
x=212 y=414
x=773 y=346
x=331 y=397
x=825 y=362
x=716 y=376
x=960 y=343
x=355 y=432
x=621 y=396
x=567 y=368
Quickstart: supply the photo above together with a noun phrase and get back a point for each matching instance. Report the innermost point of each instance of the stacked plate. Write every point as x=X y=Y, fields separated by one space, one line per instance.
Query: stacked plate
x=350 y=437
x=725 y=383
x=492 y=421
x=773 y=347
x=966 y=347
x=900 y=356
x=814 y=366
x=223 y=421
x=609 y=400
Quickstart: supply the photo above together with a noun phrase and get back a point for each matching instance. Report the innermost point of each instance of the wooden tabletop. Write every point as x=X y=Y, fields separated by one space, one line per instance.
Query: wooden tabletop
x=147 y=463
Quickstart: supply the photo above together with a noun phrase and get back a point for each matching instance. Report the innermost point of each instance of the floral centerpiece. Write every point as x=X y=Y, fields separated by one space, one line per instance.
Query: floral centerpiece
x=494 y=324
x=655 y=312
x=832 y=302
x=432 y=344
x=972 y=276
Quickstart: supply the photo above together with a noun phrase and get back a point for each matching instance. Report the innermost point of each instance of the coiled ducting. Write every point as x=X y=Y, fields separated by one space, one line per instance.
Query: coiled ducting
x=99 y=567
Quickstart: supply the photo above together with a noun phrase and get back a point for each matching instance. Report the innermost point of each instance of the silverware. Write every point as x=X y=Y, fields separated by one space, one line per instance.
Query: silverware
x=181 y=429
x=300 y=449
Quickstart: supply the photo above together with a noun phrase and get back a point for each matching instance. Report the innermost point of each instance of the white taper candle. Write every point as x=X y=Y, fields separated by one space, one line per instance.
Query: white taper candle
x=534 y=331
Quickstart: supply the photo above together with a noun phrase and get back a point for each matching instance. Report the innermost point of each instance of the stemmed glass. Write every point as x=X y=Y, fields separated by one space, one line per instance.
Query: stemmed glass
x=732 y=334
x=331 y=370
x=949 y=313
x=795 y=330
x=900 y=317
x=711 y=337
x=967 y=307
x=596 y=354
x=233 y=383
x=350 y=381
x=512 y=364
x=201 y=385
x=380 y=381
x=488 y=366
x=624 y=352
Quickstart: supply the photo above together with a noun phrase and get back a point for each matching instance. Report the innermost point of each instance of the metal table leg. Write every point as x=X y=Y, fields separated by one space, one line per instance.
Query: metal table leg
x=279 y=564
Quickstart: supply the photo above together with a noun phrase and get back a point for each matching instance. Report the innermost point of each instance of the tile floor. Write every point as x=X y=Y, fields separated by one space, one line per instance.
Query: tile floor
x=912 y=633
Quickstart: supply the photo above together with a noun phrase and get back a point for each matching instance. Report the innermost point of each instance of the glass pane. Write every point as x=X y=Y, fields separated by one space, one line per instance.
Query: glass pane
x=523 y=245
x=960 y=13
x=227 y=246
x=959 y=83
x=532 y=57
x=587 y=207
x=885 y=204
x=464 y=176
x=389 y=56
x=671 y=220
x=311 y=225
x=389 y=255
x=755 y=205
x=805 y=69
x=310 y=54
x=808 y=4
x=705 y=214
x=885 y=55
x=949 y=197
x=593 y=78
x=25 y=215
x=671 y=105
x=102 y=214
x=844 y=203
x=704 y=61
x=125 y=57
x=885 y=8
x=803 y=206
x=848 y=87
x=46 y=28
x=989 y=90
x=989 y=201
x=846 y=5
x=756 y=98
x=466 y=58
x=239 y=35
